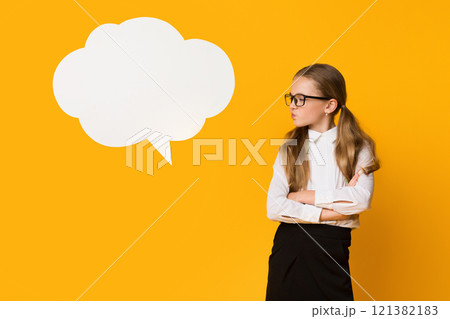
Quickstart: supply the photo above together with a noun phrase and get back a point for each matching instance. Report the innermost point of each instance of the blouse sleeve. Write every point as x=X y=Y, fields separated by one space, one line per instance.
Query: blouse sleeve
x=282 y=209
x=357 y=198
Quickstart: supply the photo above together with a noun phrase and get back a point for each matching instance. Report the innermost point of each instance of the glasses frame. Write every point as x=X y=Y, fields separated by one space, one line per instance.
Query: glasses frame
x=289 y=95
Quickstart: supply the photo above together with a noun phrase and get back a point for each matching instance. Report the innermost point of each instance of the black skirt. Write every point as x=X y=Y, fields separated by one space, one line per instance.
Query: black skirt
x=299 y=269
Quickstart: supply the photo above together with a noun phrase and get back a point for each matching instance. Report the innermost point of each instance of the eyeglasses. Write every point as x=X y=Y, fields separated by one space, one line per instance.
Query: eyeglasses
x=300 y=99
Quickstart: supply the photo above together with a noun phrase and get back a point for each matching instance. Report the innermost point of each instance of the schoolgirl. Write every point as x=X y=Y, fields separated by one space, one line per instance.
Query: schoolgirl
x=322 y=180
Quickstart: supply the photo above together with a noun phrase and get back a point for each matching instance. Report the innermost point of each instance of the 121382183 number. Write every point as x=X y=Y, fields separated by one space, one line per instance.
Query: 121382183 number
x=404 y=310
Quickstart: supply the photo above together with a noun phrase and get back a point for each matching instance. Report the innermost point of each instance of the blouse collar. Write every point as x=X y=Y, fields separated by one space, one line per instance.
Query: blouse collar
x=330 y=135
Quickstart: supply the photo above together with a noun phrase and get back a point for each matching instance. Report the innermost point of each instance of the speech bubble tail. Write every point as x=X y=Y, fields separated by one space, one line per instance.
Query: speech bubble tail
x=163 y=147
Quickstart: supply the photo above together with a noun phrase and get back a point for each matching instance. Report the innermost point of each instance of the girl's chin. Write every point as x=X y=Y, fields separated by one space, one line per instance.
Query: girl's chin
x=297 y=122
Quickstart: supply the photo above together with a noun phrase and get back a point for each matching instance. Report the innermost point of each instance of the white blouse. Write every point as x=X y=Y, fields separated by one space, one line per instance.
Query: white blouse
x=328 y=182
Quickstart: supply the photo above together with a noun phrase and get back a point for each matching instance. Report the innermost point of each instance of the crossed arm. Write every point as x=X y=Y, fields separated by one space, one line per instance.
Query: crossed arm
x=314 y=206
x=308 y=197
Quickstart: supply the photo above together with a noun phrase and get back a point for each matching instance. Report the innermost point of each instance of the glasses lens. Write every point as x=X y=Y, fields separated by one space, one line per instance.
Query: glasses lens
x=299 y=100
x=288 y=99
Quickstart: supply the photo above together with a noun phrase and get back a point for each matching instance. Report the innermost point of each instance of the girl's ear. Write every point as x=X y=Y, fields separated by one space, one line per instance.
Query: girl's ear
x=332 y=105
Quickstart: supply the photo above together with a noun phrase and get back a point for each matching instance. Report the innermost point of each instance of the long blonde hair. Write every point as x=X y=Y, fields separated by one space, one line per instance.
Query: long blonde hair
x=350 y=137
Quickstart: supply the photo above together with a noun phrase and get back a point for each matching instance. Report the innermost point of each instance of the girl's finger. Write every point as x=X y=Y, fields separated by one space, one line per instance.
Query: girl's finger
x=354 y=180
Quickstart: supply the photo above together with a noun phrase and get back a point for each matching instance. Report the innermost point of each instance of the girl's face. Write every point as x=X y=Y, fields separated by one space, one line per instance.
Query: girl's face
x=313 y=112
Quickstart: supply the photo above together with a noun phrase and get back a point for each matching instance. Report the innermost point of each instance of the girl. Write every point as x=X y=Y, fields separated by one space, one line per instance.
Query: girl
x=322 y=180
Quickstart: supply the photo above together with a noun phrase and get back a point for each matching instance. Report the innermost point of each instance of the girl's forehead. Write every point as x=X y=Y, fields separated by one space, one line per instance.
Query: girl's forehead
x=303 y=85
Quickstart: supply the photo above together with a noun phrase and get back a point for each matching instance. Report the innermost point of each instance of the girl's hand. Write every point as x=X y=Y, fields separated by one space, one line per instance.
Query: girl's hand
x=294 y=196
x=304 y=196
x=354 y=180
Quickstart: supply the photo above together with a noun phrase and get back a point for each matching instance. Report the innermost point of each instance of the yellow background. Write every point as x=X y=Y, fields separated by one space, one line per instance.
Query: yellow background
x=71 y=207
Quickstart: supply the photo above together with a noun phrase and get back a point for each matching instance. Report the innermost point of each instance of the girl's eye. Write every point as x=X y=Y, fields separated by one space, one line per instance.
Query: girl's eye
x=299 y=100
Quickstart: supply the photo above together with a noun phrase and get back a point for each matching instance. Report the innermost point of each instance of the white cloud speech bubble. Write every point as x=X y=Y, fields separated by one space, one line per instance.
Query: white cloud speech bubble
x=142 y=76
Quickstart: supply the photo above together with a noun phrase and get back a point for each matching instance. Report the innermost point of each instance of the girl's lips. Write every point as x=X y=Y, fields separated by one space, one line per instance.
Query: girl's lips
x=292 y=115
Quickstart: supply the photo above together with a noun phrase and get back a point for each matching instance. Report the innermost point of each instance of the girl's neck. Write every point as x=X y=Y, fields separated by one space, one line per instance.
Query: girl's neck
x=321 y=127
